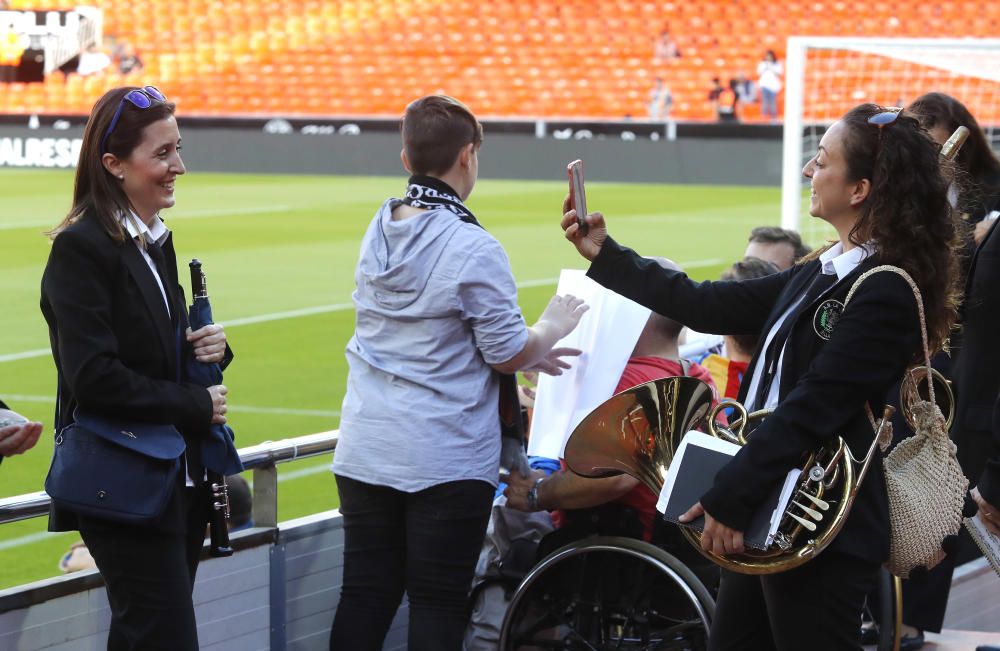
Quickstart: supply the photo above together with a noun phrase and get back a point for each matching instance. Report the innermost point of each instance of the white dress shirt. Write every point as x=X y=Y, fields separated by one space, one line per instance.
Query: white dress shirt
x=834 y=261
x=156 y=232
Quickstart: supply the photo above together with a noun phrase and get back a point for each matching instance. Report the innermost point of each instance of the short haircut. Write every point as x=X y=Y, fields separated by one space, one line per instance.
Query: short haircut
x=747 y=269
x=435 y=128
x=778 y=235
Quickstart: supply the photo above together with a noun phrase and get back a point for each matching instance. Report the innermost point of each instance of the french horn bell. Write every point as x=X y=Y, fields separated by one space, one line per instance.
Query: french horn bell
x=638 y=432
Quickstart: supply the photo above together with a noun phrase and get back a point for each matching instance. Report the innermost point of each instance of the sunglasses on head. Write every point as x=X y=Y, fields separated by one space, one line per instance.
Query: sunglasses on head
x=886 y=117
x=141 y=98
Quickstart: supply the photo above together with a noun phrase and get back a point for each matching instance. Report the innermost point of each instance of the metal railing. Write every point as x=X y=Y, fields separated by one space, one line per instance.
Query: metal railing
x=262 y=459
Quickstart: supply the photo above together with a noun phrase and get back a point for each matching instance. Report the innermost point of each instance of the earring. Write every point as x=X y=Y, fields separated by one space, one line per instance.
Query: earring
x=121 y=177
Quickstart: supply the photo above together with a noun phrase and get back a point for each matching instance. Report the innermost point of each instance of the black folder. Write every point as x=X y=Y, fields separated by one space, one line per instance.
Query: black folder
x=695 y=476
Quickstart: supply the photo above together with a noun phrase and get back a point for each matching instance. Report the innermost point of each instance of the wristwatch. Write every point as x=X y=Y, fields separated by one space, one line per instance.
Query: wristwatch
x=533 y=495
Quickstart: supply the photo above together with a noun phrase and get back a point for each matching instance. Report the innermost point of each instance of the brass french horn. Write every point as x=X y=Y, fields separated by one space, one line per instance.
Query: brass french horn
x=638 y=431
x=914 y=388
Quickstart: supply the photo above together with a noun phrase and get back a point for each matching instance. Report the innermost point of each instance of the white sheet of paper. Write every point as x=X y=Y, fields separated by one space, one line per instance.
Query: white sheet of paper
x=606 y=334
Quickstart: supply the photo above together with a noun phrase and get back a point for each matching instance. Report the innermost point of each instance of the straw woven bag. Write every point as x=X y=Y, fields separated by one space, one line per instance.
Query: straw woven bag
x=925 y=483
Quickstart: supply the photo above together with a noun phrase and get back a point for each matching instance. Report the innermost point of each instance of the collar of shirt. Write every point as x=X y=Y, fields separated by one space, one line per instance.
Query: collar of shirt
x=835 y=261
x=157 y=231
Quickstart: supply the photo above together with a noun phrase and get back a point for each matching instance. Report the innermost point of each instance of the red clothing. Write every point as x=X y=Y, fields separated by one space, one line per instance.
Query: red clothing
x=638 y=371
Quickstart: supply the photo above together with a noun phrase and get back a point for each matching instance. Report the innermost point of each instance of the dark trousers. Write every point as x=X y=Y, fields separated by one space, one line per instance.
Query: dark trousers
x=149 y=576
x=816 y=606
x=424 y=543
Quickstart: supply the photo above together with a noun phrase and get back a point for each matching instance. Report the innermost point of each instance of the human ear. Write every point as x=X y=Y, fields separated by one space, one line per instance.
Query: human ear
x=465 y=154
x=860 y=192
x=113 y=165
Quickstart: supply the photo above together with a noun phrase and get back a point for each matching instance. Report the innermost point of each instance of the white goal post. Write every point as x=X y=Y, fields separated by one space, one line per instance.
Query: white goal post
x=826 y=76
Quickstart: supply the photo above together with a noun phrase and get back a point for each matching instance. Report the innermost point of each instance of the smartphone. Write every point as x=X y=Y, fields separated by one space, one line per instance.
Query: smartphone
x=577 y=195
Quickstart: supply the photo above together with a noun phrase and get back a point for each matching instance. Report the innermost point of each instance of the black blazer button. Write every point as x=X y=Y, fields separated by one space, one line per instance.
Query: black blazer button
x=101 y=495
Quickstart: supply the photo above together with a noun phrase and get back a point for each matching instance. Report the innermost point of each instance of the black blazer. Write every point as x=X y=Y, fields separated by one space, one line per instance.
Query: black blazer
x=114 y=344
x=976 y=373
x=824 y=383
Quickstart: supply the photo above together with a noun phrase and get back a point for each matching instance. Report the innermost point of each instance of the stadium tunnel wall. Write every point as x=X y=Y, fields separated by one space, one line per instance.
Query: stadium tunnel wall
x=687 y=160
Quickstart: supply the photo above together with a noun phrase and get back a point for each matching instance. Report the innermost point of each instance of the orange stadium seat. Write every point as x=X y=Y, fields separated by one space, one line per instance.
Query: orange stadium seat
x=550 y=58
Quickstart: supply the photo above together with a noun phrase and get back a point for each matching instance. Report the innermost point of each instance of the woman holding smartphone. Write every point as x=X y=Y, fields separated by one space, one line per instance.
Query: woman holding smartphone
x=877 y=180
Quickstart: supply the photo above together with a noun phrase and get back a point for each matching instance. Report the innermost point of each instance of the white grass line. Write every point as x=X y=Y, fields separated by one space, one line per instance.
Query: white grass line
x=247 y=409
x=290 y=314
x=28 y=354
x=30 y=538
x=13 y=397
x=194 y=214
x=304 y=472
x=337 y=307
x=283 y=411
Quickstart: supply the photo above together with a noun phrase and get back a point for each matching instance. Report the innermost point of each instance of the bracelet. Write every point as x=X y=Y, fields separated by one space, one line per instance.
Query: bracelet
x=533 y=495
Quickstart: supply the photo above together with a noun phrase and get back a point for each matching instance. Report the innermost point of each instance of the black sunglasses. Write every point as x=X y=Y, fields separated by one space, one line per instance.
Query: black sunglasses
x=141 y=98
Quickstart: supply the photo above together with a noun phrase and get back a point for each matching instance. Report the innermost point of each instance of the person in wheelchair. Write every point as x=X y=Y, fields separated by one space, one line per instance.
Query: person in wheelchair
x=620 y=505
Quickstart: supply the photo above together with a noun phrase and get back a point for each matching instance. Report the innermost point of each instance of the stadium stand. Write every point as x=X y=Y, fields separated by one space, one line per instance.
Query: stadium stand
x=554 y=58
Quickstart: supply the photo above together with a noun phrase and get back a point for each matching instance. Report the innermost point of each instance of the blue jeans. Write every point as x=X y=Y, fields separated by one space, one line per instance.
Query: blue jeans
x=424 y=543
x=769 y=103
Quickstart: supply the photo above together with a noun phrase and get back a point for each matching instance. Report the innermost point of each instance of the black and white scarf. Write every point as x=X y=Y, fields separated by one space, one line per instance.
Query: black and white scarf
x=432 y=194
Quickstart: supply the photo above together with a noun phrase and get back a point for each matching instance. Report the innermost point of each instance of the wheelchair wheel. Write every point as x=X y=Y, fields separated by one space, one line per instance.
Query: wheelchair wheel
x=606 y=593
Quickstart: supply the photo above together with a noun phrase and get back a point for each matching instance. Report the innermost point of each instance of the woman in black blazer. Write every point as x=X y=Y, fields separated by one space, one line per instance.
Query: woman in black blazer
x=119 y=333
x=877 y=181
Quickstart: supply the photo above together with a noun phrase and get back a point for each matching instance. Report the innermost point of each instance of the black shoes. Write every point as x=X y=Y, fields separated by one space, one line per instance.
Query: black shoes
x=912 y=642
x=869 y=637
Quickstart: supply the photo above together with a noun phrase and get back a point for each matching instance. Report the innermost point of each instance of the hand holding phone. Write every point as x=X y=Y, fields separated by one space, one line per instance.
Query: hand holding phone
x=577 y=195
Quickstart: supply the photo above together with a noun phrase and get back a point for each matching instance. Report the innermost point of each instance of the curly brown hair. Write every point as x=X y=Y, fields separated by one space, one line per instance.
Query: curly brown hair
x=907 y=211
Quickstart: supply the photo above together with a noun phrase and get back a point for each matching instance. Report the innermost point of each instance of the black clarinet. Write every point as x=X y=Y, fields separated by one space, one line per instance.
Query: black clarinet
x=218 y=523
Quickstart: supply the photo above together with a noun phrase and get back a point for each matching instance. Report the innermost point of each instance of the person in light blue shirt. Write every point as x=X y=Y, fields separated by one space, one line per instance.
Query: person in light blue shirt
x=419 y=451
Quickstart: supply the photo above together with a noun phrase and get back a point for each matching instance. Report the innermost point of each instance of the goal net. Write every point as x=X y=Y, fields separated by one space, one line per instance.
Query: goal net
x=827 y=76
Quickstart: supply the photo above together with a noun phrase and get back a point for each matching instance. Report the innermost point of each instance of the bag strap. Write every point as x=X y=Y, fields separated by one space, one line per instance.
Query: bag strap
x=923 y=323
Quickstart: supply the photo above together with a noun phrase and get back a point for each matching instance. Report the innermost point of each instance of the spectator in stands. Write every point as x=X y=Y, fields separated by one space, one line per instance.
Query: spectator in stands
x=665 y=48
x=128 y=60
x=975 y=193
x=12 y=47
x=746 y=91
x=779 y=246
x=728 y=370
x=117 y=324
x=722 y=100
x=633 y=505
x=92 y=61
x=660 y=101
x=17 y=433
x=418 y=458
x=769 y=76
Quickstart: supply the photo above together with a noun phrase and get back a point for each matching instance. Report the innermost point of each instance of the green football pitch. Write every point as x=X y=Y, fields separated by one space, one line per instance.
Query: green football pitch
x=279 y=255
